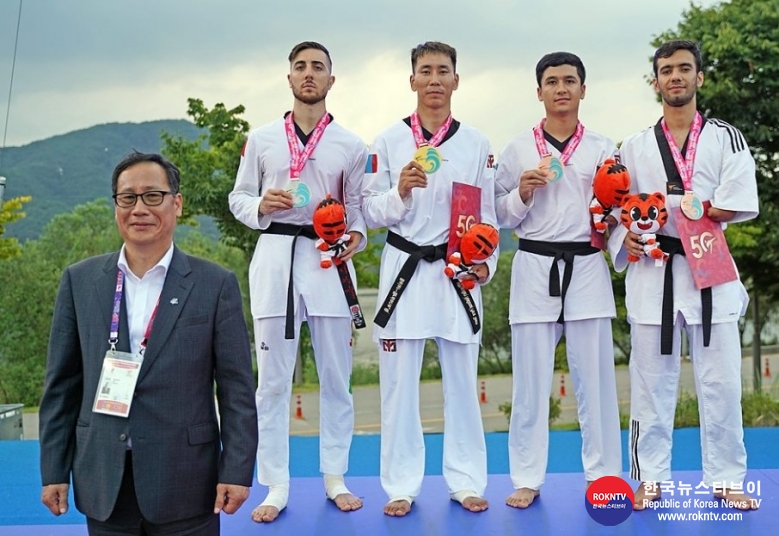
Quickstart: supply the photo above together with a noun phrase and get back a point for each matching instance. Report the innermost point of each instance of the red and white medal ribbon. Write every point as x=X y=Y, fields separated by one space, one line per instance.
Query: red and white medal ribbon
x=551 y=164
x=691 y=205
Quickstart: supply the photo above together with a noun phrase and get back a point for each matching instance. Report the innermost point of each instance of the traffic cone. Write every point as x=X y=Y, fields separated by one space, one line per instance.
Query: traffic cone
x=483 y=395
x=562 y=385
x=298 y=408
x=767 y=371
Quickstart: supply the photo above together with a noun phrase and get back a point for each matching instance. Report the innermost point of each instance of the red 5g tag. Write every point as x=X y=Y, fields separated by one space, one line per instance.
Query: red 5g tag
x=705 y=248
x=466 y=211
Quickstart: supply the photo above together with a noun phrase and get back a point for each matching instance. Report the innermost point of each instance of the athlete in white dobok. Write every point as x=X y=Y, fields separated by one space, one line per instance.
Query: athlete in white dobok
x=287 y=168
x=560 y=282
x=693 y=160
x=417 y=301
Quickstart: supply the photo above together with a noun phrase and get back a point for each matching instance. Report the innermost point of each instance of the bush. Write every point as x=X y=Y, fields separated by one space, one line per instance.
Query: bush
x=759 y=409
x=555 y=408
x=686 y=411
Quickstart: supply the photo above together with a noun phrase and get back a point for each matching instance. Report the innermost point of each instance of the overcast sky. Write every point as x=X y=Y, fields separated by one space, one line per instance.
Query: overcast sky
x=87 y=62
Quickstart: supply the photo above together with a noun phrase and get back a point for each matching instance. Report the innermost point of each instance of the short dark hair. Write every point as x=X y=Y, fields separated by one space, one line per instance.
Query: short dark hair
x=667 y=49
x=432 y=47
x=171 y=171
x=305 y=45
x=555 y=59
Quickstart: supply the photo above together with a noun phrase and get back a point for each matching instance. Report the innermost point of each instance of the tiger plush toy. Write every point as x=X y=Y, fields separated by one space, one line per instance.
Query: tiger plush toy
x=330 y=227
x=610 y=186
x=476 y=246
x=644 y=214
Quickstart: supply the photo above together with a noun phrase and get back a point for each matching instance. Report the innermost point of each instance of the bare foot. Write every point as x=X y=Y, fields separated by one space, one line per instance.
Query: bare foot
x=522 y=498
x=346 y=502
x=475 y=504
x=738 y=500
x=397 y=508
x=265 y=513
x=646 y=493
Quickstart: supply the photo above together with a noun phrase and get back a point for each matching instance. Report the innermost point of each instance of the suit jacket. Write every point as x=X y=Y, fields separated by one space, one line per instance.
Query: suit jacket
x=199 y=338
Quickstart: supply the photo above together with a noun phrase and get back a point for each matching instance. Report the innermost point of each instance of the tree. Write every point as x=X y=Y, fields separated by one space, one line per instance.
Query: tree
x=208 y=167
x=11 y=211
x=30 y=282
x=740 y=47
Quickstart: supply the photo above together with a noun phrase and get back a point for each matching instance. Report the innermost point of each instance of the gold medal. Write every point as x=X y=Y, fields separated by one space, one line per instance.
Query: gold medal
x=552 y=166
x=429 y=158
x=692 y=206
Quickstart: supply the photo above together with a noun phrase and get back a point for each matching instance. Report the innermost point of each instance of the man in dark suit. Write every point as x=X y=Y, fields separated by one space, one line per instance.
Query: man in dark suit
x=156 y=461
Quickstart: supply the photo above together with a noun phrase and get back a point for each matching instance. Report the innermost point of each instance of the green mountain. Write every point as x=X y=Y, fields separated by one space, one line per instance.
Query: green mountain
x=67 y=170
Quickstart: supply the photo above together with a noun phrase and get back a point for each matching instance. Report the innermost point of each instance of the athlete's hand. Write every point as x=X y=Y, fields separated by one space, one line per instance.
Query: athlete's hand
x=411 y=176
x=720 y=214
x=632 y=244
x=479 y=273
x=529 y=181
x=355 y=238
x=274 y=200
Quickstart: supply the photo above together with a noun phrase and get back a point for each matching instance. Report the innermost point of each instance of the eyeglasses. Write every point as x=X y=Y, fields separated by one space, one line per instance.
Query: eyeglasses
x=153 y=198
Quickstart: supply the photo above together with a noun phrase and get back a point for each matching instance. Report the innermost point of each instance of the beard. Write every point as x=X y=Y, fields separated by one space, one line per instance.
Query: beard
x=308 y=98
x=677 y=101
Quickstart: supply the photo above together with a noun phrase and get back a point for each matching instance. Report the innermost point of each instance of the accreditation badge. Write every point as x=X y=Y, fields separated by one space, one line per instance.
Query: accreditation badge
x=116 y=387
x=429 y=158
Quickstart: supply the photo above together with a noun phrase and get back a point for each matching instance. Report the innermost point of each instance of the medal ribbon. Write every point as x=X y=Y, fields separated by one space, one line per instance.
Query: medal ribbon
x=538 y=133
x=419 y=139
x=299 y=158
x=684 y=165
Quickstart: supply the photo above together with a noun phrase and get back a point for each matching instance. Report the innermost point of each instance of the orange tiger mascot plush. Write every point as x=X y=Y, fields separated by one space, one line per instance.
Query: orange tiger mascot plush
x=476 y=246
x=610 y=186
x=330 y=227
x=644 y=214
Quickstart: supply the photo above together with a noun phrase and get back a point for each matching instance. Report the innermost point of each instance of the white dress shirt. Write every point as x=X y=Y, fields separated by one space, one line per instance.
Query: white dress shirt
x=141 y=295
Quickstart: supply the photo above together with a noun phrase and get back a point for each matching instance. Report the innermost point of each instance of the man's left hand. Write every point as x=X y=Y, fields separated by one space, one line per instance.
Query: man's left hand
x=355 y=238
x=229 y=498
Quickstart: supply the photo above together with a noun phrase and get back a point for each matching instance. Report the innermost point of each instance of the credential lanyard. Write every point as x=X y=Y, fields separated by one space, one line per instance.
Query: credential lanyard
x=113 y=336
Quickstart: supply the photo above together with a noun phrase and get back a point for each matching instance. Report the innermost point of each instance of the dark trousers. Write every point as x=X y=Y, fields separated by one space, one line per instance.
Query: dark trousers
x=128 y=519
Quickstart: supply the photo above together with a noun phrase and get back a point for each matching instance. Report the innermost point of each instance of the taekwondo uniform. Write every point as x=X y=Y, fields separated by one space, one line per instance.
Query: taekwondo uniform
x=724 y=173
x=555 y=220
x=336 y=168
x=429 y=307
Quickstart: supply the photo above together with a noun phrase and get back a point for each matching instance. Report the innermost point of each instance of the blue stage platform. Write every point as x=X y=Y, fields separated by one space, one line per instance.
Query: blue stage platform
x=559 y=510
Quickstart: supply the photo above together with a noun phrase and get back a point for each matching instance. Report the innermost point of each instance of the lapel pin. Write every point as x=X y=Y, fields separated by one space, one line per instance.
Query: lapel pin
x=174 y=301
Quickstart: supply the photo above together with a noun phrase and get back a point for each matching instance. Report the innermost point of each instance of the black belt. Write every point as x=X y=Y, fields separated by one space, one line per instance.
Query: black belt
x=307 y=231
x=565 y=251
x=672 y=247
x=417 y=254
